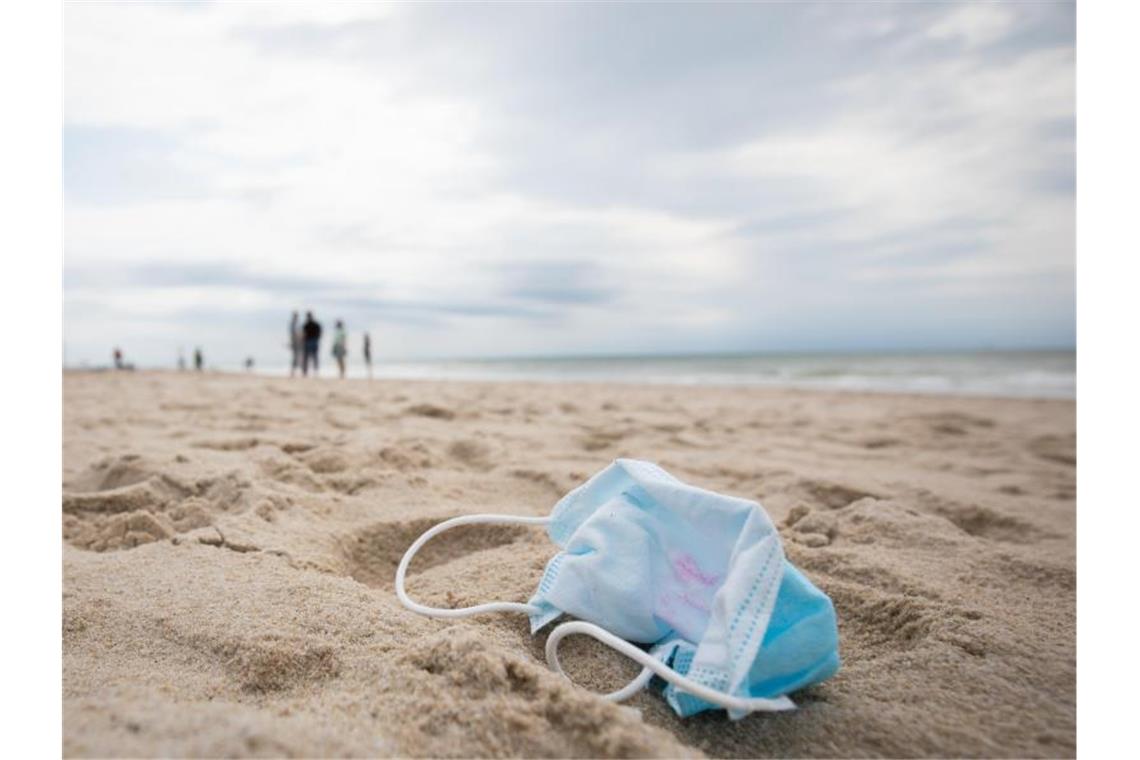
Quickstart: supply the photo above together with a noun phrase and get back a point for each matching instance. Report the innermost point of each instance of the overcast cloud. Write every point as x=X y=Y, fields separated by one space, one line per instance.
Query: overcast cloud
x=547 y=179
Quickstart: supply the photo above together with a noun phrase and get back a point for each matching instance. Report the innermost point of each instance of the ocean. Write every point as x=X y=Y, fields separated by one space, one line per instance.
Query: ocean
x=1034 y=374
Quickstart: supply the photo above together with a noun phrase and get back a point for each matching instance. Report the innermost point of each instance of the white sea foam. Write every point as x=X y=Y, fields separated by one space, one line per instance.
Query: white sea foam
x=1041 y=374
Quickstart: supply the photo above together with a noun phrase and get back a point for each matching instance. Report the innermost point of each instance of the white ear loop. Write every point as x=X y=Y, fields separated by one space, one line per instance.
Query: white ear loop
x=461 y=612
x=650 y=665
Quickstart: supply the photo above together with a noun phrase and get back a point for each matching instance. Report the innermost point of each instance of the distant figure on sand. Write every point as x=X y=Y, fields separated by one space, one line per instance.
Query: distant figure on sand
x=296 y=344
x=340 y=346
x=368 y=354
x=181 y=360
x=249 y=364
x=311 y=333
x=117 y=355
x=198 y=359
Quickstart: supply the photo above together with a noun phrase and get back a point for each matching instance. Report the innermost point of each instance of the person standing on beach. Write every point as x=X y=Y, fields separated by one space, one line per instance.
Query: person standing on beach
x=340 y=346
x=368 y=354
x=311 y=334
x=198 y=358
x=295 y=344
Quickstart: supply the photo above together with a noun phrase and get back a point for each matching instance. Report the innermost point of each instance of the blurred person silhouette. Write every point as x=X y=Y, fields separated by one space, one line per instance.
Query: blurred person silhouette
x=181 y=360
x=249 y=364
x=340 y=346
x=198 y=358
x=117 y=355
x=296 y=341
x=368 y=354
x=311 y=333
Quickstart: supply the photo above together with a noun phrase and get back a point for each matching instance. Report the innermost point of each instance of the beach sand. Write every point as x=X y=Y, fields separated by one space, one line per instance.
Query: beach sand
x=230 y=544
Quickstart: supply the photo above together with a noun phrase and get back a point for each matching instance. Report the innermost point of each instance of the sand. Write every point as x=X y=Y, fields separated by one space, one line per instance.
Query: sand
x=230 y=543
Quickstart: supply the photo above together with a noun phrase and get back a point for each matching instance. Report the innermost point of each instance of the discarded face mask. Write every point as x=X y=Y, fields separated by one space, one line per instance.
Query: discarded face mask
x=698 y=576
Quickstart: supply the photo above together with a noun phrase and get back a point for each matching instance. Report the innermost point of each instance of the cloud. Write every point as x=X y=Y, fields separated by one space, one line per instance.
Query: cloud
x=558 y=283
x=974 y=25
x=116 y=165
x=190 y=275
x=570 y=177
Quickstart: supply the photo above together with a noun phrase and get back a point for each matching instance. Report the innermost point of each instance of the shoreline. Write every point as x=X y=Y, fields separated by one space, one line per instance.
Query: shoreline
x=582 y=382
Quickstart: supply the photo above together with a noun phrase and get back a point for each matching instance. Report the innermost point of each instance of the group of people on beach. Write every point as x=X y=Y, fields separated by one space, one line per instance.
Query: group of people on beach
x=305 y=344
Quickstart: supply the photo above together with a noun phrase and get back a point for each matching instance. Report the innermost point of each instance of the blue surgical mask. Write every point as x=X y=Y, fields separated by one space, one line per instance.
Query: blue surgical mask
x=697 y=576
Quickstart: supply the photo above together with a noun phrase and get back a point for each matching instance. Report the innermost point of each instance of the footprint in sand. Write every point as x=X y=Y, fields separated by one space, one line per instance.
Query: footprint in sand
x=229 y=444
x=288 y=471
x=117 y=531
x=979 y=521
x=471 y=453
x=296 y=447
x=406 y=456
x=324 y=461
x=830 y=494
x=599 y=439
x=127 y=502
x=372 y=553
x=430 y=410
x=111 y=473
x=1055 y=448
x=546 y=480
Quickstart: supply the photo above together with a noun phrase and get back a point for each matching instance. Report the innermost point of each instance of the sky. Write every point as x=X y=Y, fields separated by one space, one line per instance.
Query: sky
x=552 y=179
